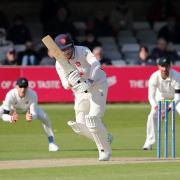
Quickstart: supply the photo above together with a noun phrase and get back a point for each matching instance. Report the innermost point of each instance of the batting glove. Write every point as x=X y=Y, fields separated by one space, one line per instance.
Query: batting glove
x=83 y=86
x=74 y=78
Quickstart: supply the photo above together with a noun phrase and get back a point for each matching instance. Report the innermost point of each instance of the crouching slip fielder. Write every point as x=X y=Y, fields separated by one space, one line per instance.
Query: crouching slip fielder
x=89 y=105
x=163 y=84
x=24 y=100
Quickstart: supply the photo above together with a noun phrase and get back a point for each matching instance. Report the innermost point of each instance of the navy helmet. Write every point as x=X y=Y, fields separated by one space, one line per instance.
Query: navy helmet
x=64 y=41
x=163 y=61
x=22 y=82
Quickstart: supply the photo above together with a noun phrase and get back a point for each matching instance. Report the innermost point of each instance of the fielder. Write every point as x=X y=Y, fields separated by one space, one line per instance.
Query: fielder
x=164 y=84
x=90 y=97
x=24 y=100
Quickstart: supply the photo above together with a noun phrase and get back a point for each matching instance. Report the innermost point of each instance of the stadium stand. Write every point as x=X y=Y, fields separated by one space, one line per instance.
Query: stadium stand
x=119 y=62
x=124 y=46
x=139 y=25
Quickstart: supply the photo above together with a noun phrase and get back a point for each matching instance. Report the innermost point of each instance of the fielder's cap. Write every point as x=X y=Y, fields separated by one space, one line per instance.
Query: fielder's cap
x=163 y=61
x=22 y=82
x=64 y=41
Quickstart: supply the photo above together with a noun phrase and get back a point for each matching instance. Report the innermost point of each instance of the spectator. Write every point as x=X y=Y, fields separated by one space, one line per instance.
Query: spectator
x=61 y=24
x=2 y=36
x=11 y=58
x=163 y=49
x=90 y=26
x=98 y=53
x=159 y=10
x=18 y=32
x=29 y=56
x=171 y=31
x=102 y=26
x=49 y=10
x=4 y=44
x=121 y=17
x=90 y=41
x=144 y=57
x=4 y=23
x=42 y=52
x=48 y=60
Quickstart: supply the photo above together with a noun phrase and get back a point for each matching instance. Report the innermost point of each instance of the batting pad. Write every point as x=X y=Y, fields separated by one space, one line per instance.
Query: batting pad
x=99 y=133
x=80 y=129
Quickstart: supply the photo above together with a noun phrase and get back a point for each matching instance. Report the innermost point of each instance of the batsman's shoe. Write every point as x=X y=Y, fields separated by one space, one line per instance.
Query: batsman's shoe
x=104 y=156
x=74 y=126
x=147 y=147
x=53 y=147
x=110 y=138
x=70 y=123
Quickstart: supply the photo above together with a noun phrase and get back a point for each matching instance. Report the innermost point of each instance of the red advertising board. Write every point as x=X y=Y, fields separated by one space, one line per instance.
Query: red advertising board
x=8 y=78
x=126 y=84
x=46 y=82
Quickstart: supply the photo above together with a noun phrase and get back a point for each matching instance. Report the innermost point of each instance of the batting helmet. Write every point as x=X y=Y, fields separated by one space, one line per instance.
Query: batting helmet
x=64 y=41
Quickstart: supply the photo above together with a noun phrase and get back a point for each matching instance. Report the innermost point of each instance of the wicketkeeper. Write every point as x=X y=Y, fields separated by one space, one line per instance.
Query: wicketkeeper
x=90 y=94
x=164 y=84
x=22 y=99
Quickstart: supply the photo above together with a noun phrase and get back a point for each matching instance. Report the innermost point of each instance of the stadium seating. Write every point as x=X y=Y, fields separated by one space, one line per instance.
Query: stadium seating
x=108 y=43
x=158 y=25
x=125 y=33
x=20 y=47
x=139 y=25
x=130 y=47
x=119 y=62
x=125 y=46
x=126 y=40
x=146 y=36
x=113 y=54
x=80 y=26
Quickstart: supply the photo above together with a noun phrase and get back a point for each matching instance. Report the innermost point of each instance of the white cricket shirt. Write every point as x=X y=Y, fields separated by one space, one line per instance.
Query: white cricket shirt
x=160 y=89
x=86 y=63
x=14 y=102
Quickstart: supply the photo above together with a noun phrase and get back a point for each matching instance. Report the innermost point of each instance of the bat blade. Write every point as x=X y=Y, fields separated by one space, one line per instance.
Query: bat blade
x=58 y=54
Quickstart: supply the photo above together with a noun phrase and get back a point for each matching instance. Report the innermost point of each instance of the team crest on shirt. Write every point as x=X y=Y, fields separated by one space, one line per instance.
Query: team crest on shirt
x=81 y=73
x=78 y=64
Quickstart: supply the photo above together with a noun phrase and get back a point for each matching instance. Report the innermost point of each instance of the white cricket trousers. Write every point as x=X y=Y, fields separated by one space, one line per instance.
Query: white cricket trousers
x=92 y=104
x=89 y=109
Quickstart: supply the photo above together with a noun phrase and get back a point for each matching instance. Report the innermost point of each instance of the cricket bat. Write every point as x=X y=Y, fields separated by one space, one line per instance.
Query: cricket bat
x=58 y=54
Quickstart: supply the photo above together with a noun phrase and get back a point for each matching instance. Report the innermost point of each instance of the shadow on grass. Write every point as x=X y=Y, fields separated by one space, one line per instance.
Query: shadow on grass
x=114 y=149
x=78 y=150
x=127 y=149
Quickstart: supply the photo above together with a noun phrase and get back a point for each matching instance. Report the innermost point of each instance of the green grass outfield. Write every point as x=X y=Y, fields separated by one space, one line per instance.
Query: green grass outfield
x=127 y=123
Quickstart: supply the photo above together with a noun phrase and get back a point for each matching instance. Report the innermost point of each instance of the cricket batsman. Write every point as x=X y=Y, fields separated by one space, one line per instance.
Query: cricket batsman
x=90 y=95
x=164 y=84
x=22 y=99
